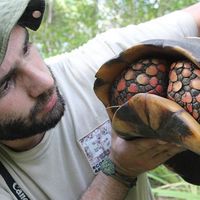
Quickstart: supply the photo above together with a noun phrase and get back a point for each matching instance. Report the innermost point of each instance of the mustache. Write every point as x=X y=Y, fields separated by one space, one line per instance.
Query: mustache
x=42 y=100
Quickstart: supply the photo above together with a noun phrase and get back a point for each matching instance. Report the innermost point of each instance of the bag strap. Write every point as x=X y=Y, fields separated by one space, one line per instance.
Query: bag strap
x=12 y=184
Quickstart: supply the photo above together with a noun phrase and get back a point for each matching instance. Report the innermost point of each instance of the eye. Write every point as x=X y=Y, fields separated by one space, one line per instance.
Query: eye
x=8 y=81
x=5 y=87
x=26 y=48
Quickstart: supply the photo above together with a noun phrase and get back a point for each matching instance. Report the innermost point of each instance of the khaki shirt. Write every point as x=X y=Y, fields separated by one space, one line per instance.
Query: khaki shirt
x=65 y=162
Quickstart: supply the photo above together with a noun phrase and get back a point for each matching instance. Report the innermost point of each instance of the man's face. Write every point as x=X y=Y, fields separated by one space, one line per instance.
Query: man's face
x=30 y=102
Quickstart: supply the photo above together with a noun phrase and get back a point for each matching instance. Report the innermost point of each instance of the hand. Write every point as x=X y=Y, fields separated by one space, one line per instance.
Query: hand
x=140 y=155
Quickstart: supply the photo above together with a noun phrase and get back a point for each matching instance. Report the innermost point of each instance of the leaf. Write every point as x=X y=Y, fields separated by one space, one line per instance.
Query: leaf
x=175 y=194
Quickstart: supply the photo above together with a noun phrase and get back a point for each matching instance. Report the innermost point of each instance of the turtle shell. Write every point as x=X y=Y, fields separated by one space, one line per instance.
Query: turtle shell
x=152 y=90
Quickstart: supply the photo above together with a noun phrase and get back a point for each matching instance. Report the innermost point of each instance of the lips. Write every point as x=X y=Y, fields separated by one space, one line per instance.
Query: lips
x=50 y=104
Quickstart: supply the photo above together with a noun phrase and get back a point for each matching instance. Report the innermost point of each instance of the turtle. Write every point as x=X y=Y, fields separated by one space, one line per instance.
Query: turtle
x=152 y=90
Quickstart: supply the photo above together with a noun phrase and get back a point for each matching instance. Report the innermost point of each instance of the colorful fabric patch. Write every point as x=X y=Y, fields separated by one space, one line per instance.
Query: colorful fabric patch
x=96 y=145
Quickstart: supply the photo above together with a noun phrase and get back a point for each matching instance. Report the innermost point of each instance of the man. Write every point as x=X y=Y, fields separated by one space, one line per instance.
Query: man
x=54 y=132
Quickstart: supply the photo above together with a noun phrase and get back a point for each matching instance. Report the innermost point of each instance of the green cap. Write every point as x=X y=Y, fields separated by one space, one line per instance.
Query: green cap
x=27 y=13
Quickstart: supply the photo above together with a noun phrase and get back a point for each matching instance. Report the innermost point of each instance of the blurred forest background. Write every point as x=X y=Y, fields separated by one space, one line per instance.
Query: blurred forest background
x=70 y=23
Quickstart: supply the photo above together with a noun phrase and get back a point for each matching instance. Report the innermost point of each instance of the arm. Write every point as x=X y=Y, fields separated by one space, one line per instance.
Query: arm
x=194 y=11
x=110 y=43
x=122 y=153
x=132 y=156
x=106 y=188
x=178 y=24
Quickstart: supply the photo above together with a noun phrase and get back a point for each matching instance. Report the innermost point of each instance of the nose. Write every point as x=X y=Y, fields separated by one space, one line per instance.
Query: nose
x=36 y=79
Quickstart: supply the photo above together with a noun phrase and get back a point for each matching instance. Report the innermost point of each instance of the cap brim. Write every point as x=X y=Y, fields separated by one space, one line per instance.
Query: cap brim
x=18 y=12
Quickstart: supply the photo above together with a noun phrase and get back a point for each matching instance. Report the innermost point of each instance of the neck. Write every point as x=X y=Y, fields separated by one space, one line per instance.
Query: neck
x=23 y=144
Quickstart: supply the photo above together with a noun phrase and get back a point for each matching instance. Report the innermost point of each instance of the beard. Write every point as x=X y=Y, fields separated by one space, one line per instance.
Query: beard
x=24 y=127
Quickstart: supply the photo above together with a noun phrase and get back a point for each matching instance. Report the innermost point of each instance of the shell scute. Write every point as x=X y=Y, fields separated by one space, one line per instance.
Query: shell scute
x=146 y=97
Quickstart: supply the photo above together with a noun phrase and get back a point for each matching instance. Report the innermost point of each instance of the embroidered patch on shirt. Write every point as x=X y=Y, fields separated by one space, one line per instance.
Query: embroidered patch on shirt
x=96 y=145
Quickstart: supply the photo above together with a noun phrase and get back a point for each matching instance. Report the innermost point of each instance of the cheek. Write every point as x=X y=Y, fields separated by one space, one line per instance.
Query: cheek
x=16 y=104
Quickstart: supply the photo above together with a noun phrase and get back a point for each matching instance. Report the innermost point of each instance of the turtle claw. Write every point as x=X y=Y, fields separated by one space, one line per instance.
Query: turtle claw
x=152 y=116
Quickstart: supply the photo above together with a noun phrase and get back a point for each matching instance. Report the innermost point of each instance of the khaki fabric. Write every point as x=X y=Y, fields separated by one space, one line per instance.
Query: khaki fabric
x=11 y=11
x=18 y=12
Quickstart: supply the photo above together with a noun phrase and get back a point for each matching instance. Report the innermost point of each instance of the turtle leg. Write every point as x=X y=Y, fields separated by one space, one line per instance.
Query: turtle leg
x=151 y=116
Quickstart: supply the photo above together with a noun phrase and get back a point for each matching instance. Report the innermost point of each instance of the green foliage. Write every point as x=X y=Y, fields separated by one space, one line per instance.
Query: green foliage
x=70 y=23
x=167 y=185
x=67 y=24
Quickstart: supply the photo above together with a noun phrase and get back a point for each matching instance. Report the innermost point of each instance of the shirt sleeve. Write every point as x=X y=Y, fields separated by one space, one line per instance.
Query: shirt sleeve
x=171 y=26
x=90 y=56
